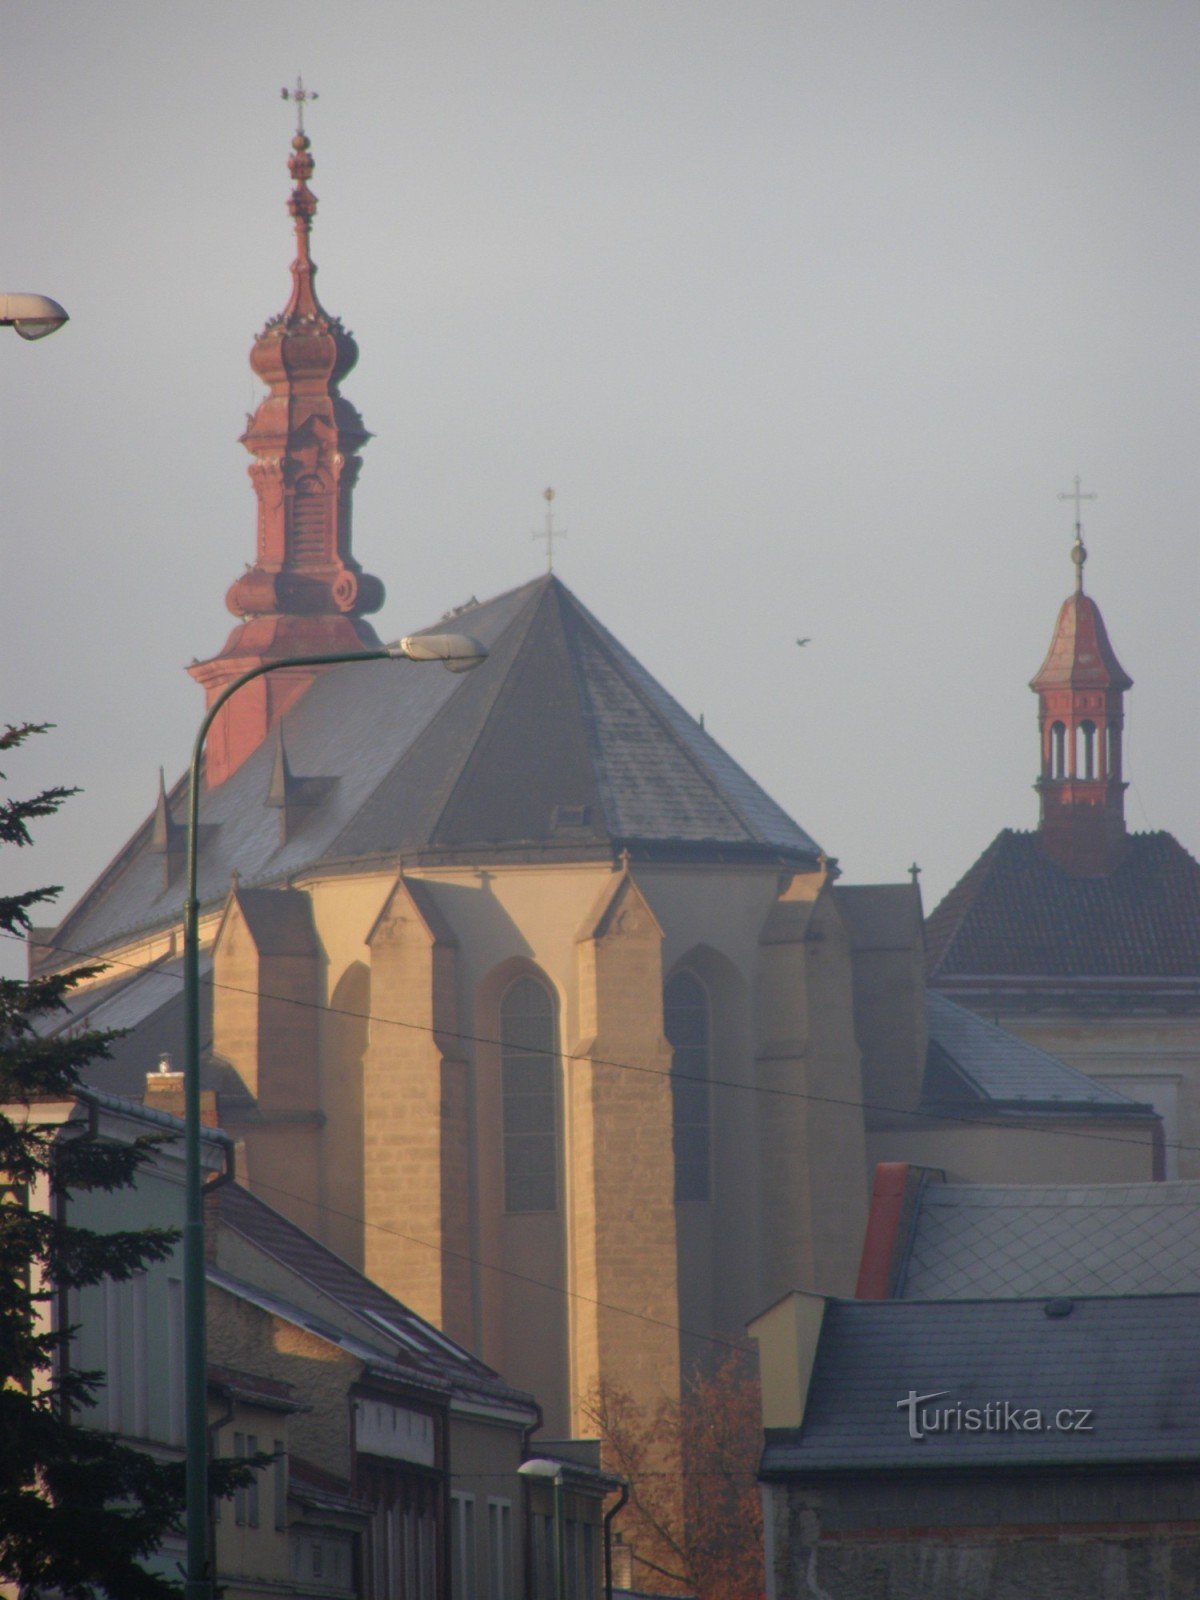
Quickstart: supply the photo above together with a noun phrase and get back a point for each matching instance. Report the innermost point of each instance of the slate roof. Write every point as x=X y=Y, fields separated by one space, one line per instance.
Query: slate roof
x=967 y=1241
x=425 y=1354
x=150 y=1000
x=560 y=744
x=970 y=1058
x=1130 y=1360
x=1017 y=915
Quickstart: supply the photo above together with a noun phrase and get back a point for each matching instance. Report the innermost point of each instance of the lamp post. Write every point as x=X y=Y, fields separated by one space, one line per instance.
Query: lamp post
x=458 y=653
x=552 y=1472
x=32 y=315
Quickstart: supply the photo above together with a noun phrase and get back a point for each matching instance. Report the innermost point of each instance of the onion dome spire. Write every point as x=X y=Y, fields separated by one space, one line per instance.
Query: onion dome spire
x=305 y=593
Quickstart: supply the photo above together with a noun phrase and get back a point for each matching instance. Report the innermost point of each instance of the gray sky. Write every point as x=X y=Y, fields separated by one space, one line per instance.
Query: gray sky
x=808 y=311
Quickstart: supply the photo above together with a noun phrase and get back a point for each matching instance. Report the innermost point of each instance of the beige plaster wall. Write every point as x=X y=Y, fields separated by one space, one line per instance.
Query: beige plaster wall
x=1084 y=1150
x=1156 y=1051
x=249 y=1559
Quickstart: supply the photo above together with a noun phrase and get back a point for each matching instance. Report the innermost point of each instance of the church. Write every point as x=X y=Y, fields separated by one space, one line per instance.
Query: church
x=1083 y=937
x=521 y=994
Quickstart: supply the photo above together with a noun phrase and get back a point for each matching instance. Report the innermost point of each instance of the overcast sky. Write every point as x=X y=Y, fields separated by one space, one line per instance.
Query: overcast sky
x=808 y=311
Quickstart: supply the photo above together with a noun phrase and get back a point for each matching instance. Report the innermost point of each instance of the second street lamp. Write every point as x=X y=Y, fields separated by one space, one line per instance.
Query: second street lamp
x=458 y=653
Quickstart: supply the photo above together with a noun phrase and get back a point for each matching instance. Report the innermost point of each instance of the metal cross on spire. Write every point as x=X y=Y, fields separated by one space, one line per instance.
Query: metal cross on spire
x=299 y=96
x=1078 y=549
x=551 y=532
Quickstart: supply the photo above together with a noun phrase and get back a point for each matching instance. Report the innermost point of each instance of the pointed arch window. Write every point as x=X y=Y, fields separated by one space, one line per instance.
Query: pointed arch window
x=687 y=1027
x=527 y=1070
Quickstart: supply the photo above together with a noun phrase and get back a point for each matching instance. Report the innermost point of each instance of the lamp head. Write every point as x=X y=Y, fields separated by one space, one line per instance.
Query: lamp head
x=32 y=315
x=541 y=1467
x=457 y=652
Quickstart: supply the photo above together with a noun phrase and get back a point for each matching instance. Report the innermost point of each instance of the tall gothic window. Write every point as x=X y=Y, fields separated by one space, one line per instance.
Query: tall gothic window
x=527 y=1061
x=686 y=1024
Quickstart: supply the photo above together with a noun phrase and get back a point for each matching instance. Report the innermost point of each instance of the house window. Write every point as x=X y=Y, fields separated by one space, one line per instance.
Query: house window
x=140 y=1320
x=500 y=1550
x=175 y=1360
x=245 y=1501
x=405 y=1528
x=686 y=1024
x=544 y=1556
x=281 y=1480
x=462 y=1546
x=527 y=1069
x=112 y=1356
x=587 y=1588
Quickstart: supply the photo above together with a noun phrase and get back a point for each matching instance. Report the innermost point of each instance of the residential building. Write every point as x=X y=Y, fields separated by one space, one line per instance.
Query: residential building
x=990 y=1448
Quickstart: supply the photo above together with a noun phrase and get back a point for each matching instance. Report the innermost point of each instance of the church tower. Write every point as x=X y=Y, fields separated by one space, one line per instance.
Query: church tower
x=304 y=594
x=1081 y=692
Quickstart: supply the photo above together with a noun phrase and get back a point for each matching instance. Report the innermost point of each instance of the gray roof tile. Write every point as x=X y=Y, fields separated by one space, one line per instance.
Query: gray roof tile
x=969 y=1241
x=1130 y=1361
x=1001 y=1068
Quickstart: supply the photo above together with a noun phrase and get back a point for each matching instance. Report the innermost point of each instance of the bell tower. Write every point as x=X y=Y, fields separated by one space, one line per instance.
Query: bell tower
x=305 y=594
x=1081 y=693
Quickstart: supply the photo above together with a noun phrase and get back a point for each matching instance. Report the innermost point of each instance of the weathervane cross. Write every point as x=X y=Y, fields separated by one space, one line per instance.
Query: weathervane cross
x=1078 y=496
x=299 y=95
x=551 y=532
x=1078 y=549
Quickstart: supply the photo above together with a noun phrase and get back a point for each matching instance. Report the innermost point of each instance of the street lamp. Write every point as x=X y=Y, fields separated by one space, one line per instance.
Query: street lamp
x=552 y=1472
x=458 y=653
x=32 y=315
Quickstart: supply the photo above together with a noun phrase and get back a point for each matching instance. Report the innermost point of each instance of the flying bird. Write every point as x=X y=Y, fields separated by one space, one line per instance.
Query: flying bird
x=803 y=641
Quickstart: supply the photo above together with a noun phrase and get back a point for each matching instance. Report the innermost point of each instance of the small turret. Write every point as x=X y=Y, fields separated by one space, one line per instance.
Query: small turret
x=1081 y=691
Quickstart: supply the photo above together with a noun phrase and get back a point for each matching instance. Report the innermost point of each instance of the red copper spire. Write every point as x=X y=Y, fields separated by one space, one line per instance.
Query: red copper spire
x=1081 y=712
x=305 y=593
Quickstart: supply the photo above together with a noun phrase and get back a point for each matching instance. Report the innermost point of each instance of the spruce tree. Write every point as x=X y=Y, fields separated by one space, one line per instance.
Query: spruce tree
x=79 y=1509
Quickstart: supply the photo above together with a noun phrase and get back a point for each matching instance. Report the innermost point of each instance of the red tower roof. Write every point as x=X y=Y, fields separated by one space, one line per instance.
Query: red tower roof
x=1080 y=655
x=305 y=594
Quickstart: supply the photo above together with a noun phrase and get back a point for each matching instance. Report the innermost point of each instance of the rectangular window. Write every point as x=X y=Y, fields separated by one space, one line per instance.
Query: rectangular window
x=141 y=1363
x=462 y=1546
x=588 y=1586
x=175 y=1360
x=252 y=1491
x=500 y=1550
x=544 y=1556
x=239 y=1495
x=281 y=1481
x=571 y=1557
x=112 y=1355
